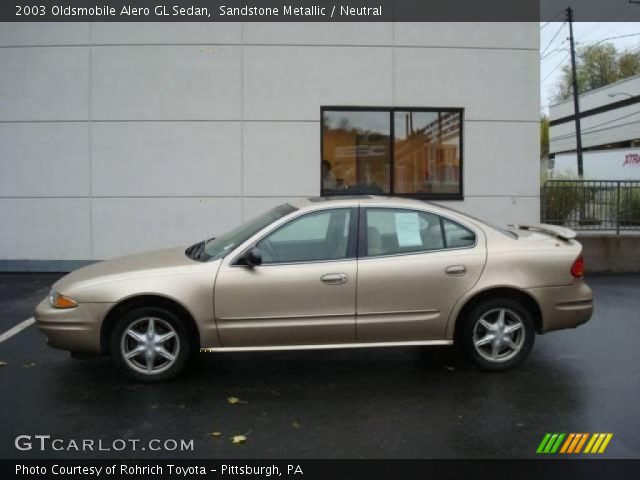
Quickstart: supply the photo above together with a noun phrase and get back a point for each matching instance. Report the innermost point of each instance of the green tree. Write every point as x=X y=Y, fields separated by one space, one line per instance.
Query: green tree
x=629 y=64
x=544 y=137
x=597 y=65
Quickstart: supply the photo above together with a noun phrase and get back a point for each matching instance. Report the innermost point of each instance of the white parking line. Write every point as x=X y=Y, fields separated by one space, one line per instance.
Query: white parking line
x=17 y=329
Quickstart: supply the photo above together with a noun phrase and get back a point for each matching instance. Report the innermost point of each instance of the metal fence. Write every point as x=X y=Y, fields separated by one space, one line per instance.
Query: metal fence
x=592 y=204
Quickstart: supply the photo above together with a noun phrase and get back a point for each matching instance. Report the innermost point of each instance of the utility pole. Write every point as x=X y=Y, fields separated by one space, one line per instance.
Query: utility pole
x=574 y=83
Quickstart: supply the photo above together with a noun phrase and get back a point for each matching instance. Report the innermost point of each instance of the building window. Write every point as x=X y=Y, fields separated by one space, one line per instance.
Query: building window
x=414 y=152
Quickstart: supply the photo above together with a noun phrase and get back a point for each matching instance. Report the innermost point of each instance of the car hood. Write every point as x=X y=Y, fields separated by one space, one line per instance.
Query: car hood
x=168 y=261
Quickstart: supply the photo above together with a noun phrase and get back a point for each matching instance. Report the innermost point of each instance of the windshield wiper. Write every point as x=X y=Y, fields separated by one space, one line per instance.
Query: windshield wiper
x=195 y=251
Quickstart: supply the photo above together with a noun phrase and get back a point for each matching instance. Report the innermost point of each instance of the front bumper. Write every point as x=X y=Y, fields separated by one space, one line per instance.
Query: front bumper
x=564 y=307
x=76 y=329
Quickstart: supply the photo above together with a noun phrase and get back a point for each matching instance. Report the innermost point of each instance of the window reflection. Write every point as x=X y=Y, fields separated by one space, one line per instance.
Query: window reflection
x=426 y=152
x=424 y=158
x=356 y=152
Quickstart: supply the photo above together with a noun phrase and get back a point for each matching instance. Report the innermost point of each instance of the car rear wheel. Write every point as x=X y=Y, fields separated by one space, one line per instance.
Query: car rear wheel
x=150 y=344
x=498 y=334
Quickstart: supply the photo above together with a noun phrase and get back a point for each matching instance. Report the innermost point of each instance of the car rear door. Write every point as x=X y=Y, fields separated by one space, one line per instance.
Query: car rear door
x=413 y=266
x=304 y=291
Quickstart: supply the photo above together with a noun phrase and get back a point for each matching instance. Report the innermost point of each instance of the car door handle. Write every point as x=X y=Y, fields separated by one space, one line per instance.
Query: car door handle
x=334 y=278
x=455 y=270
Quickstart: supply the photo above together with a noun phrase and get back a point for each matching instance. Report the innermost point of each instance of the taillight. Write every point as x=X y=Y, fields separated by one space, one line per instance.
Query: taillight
x=577 y=269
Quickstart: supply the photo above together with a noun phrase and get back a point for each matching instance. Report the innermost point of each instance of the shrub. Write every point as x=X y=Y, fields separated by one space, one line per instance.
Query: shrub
x=560 y=200
x=630 y=207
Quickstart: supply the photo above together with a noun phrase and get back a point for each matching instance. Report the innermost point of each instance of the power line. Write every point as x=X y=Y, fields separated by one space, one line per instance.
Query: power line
x=555 y=50
x=552 y=39
x=588 y=49
x=596 y=131
x=556 y=67
x=610 y=38
x=560 y=12
x=612 y=31
x=591 y=128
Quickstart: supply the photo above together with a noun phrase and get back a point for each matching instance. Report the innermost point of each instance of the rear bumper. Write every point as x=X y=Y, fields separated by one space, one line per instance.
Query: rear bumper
x=564 y=307
x=76 y=329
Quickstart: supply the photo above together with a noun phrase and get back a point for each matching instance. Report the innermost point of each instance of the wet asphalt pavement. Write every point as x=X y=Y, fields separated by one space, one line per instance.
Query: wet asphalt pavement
x=364 y=403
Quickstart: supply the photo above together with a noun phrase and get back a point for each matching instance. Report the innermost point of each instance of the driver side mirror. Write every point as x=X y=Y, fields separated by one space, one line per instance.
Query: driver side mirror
x=253 y=257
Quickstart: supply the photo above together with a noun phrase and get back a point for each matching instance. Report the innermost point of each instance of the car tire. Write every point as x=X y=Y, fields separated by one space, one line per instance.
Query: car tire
x=150 y=344
x=494 y=344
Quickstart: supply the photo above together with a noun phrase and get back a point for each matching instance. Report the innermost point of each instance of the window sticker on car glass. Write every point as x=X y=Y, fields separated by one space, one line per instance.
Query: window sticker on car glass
x=408 y=229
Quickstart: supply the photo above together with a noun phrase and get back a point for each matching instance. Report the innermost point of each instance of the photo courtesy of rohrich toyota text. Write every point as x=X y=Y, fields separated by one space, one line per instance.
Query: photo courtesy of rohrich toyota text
x=330 y=239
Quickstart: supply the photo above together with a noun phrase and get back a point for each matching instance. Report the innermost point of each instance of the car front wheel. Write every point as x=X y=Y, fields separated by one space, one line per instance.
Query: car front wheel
x=498 y=334
x=150 y=344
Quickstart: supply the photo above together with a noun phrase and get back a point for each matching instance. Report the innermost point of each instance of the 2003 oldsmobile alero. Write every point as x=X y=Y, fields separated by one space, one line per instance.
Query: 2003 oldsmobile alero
x=335 y=272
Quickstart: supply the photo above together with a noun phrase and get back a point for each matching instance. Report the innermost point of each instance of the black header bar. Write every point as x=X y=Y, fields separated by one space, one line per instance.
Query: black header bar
x=315 y=10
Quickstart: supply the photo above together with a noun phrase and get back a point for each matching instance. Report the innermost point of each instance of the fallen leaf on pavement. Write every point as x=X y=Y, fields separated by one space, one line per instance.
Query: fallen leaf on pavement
x=29 y=365
x=234 y=400
x=3 y=364
x=296 y=425
x=216 y=434
x=240 y=438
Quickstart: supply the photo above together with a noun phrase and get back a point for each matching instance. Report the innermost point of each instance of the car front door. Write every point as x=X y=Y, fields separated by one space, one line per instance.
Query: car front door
x=304 y=291
x=413 y=267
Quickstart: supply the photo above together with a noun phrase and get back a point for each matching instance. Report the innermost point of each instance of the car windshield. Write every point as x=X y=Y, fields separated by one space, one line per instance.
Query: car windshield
x=219 y=247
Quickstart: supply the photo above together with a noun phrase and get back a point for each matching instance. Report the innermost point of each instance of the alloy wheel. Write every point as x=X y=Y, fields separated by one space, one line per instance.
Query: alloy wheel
x=499 y=335
x=150 y=345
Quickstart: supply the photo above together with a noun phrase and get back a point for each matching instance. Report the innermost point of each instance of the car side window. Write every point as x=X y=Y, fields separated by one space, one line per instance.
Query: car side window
x=456 y=235
x=317 y=236
x=397 y=231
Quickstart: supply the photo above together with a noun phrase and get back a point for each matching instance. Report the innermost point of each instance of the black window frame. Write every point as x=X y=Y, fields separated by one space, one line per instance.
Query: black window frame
x=391 y=111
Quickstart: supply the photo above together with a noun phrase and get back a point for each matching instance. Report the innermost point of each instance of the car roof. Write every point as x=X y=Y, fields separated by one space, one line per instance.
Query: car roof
x=356 y=200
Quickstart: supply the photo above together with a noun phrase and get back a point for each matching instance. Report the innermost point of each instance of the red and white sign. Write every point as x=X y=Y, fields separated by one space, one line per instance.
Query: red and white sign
x=631 y=160
x=619 y=164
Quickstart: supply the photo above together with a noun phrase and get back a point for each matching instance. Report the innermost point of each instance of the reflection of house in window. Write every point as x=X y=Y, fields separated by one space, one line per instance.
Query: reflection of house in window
x=423 y=159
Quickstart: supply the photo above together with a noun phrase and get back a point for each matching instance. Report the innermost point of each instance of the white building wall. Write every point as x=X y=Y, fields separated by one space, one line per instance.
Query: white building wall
x=617 y=125
x=120 y=137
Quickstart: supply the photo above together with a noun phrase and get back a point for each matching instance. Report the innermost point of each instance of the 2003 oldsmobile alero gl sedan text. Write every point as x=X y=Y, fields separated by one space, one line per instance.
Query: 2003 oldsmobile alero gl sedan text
x=358 y=271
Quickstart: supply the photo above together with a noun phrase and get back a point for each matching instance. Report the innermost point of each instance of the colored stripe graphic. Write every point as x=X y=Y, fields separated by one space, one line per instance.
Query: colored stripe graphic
x=598 y=443
x=590 y=444
x=607 y=439
x=567 y=442
x=550 y=443
x=574 y=443
x=556 y=445
x=543 y=443
x=581 y=443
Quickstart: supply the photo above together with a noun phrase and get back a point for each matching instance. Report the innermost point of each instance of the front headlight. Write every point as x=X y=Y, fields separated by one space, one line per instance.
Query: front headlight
x=60 y=301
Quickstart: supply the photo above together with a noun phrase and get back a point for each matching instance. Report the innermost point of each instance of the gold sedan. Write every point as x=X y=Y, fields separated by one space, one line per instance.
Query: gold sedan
x=337 y=272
